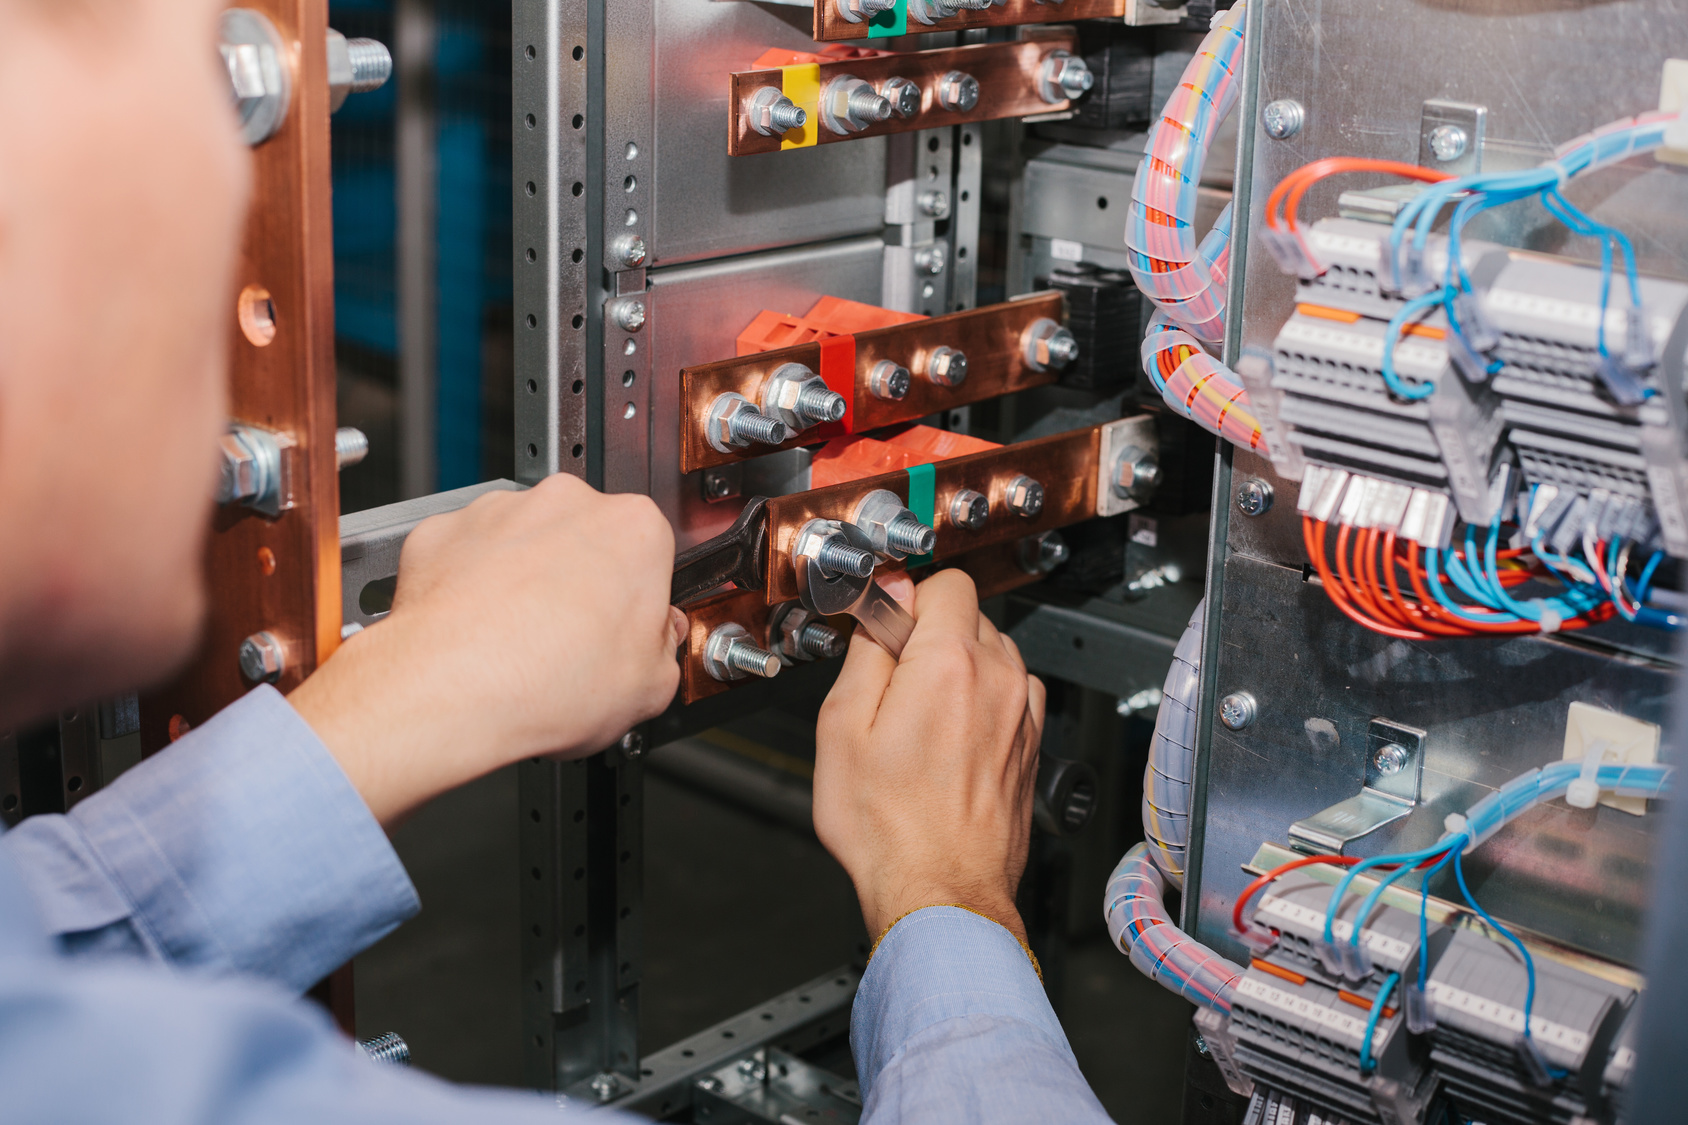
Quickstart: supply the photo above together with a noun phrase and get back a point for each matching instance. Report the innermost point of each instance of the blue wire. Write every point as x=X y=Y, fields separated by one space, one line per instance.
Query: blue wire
x=1424 y=922
x=1365 y=865
x=1367 y=1063
x=1529 y=962
x=1645 y=585
x=1409 y=311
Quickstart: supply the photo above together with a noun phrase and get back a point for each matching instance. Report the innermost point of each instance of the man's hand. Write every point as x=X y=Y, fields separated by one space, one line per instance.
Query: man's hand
x=527 y=623
x=924 y=768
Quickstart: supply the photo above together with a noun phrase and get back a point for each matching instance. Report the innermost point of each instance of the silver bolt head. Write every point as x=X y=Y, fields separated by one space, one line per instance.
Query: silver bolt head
x=718 y=426
x=946 y=367
x=1448 y=142
x=934 y=204
x=1390 y=760
x=1238 y=710
x=718 y=653
x=239 y=479
x=1064 y=76
x=1283 y=118
x=958 y=92
x=903 y=94
x=1048 y=346
x=260 y=80
x=262 y=659
x=770 y=112
x=782 y=391
x=969 y=510
x=628 y=313
x=1254 y=498
x=1040 y=554
x=1024 y=497
x=785 y=629
x=848 y=105
x=1136 y=473
x=889 y=380
x=874 y=515
x=629 y=252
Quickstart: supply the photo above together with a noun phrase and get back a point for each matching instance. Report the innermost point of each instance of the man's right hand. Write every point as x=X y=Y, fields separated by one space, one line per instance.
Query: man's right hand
x=925 y=767
x=527 y=623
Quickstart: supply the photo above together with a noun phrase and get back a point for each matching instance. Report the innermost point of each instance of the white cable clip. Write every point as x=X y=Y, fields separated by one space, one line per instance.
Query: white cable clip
x=1584 y=792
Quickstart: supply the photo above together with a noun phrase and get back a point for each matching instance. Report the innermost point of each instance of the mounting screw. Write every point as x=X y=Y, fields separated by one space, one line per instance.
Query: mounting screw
x=632 y=745
x=946 y=367
x=628 y=250
x=1024 y=497
x=903 y=94
x=934 y=204
x=734 y=422
x=262 y=659
x=605 y=1086
x=1136 y=473
x=730 y=654
x=627 y=312
x=1063 y=77
x=351 y=445
x=1448 y=142
x=969 y=510
x=1254 y=498
x=1283 y=118
x=1238 y=710
x=932 y=259
x=958 y=92
x=1201 y=1046
x=1390 y=759
x=720 y=484
x=889 y=380
x=1040 y=554
x=770 y=112
x=1048 y=345
x=800 y=398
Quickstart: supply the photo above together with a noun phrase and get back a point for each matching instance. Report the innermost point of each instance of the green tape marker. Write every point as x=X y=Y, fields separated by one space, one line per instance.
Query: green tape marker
x=922 y=486
x=892 y=21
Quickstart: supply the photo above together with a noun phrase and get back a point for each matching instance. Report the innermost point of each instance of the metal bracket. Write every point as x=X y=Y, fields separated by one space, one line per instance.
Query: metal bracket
x=1394 y=778
x=1450 y=136
x=774 y=1086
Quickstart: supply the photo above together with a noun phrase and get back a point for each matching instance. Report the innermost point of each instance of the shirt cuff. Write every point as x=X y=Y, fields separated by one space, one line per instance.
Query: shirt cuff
x=242 y=848
x=938 y=964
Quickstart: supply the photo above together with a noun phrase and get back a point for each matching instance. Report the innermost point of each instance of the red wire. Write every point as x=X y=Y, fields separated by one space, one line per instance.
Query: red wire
x=1306 y=861
x=1314 y=532
x=1295 y=185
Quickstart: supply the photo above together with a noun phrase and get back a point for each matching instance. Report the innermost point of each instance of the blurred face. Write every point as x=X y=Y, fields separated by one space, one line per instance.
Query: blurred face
x=122 y=189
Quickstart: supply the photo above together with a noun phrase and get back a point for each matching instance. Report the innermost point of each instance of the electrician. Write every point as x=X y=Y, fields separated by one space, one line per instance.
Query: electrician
x=154 y=941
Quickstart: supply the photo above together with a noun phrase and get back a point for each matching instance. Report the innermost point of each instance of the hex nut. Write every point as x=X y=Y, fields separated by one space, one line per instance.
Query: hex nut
x=800 y=398
x=1063 y=77
x=731 y=654
x=946 y=367
x=770 y=113
x=800 y=635
x=355 y=66
x=969 y=510
x=1047 y=345
x=734 y=422
x=889 y=380
x=958 y=91
x=1136 y=473
x=903 y=94
x=896 y=531
x=1024 y=497
x=262 y=658
x=848 y=105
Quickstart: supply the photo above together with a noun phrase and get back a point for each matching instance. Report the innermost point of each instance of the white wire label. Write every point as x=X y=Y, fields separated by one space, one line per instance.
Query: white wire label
x=1508 y=1017
x=1349 y=1027
x=1382 y=944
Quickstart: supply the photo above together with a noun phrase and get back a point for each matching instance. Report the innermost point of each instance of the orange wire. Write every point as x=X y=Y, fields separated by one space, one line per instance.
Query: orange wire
x=1293 y=186
x=1314 y=532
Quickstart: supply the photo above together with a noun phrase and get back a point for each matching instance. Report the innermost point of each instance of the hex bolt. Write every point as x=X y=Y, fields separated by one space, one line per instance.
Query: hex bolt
x=260 y=76
x=628 y=251
x=734 y=422
x=903 y=94
x=838 y=557
x=969 y=510
x=262 y=658
x=1238 y=710
x=1024 y=497
x=849 y=105
x=1048 y=345
x=821 y=640
x=1254 y=498
x=1283 y=118
x=729 y=654
x=889 y=380
x=934 y=204
x=946 y=367
x=1136 y=473
x=1063 y=77
x=893 y=530
x=855 y=11
x=800 y=398
x=1390 y=759
x=932 y=259
x=770 y=112
x=628 y=313
x=907 y=534
x=821 y=404
x=958 y=92
x=930 y=11
x=355 y=66
x=351 y=445
x=1040 y=554
x=1448 y=142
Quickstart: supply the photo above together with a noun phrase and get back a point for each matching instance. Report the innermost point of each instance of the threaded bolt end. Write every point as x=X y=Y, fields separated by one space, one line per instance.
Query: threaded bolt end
x=820 y=404
x=753 y=661
x=372 y=64
x=753 y=426
x=866 y=104
x=351 y=445
x=908 y=535
x=787 y=115
x=387 y=1048
x=820 y=639
x=838 y=557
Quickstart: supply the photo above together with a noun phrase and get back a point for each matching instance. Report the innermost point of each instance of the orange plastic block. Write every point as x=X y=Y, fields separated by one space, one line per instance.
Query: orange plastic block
x=831 y=316
x=852 y=458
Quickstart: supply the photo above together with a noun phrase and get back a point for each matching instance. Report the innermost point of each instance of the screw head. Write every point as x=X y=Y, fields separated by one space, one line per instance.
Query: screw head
x=958 y=92
x=1283 y=118
x=946 y=367
x=934 y=204
x=1390 y=759
x=1238 y=710
x=931 y=259
x=1064 y=76
x=262 y=659
x=1024 y=497
x=903 y=94
x=969 y=510
x=889 y=380
x=1448 y=142
x=628 y=313
x=1254 y=498
x=629 y=251
x=1136 y=473
x=632 y=744
x=1048 y=345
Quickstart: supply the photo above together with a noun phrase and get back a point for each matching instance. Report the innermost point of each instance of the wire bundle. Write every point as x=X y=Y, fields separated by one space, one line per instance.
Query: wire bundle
x=1140 y=926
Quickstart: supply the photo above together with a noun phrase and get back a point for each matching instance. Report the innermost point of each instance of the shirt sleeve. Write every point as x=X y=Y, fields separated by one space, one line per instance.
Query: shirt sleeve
x=951 y=1024
x=240 y=849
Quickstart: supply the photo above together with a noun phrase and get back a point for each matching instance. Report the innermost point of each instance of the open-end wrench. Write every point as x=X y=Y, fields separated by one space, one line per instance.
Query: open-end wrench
x=738 y=555
x=835 y=562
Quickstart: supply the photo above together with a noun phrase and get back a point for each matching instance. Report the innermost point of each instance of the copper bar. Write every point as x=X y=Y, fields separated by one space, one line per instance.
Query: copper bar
x=991 y=338
x=1008 y=87
x=739 y=607
x=277 y=575
x=995 y=569
x=830 y=27
x=1064 y=464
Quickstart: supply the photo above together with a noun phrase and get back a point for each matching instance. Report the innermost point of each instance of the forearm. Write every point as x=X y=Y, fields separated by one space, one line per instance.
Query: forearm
x=241 y=849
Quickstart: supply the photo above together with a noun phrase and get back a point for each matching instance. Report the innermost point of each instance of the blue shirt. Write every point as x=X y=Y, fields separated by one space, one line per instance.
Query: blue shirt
x=154 y=941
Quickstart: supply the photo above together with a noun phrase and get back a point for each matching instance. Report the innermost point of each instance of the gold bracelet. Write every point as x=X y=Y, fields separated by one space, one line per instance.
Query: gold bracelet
x=1036 y=968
